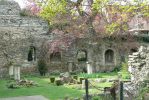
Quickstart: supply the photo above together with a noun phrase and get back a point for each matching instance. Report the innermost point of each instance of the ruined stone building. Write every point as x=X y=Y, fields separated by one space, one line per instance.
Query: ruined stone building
x=22 y=35
x=19 y=34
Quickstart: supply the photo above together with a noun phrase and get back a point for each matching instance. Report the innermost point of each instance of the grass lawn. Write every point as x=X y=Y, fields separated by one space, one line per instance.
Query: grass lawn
x=54 y=92
x=48 y=90
x=100 y=75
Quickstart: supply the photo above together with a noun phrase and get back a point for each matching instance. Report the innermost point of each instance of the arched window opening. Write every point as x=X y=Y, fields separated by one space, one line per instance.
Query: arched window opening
x=32 y=54
x=82 y=55
x=109 y=56
x=55 y=57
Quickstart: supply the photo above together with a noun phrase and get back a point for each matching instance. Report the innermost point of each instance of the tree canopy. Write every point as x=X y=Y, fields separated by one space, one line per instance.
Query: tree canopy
x=90 y=17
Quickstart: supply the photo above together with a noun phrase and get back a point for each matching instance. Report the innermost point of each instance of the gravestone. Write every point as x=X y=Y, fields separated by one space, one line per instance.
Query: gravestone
x=11 y=70
x=89 y=68
x=70 y=66
x=17 y=73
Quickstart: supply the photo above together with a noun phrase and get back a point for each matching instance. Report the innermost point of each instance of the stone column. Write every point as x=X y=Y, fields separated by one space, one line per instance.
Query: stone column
x=89 y=68
x=70 y=66
x=11 y=71
x=17 y=73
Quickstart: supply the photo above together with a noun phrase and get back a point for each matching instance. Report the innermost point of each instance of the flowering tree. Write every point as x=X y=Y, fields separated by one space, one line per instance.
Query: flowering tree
x=88 y=18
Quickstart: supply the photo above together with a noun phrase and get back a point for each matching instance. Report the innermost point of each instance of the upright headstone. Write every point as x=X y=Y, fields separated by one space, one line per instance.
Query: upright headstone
x=70 y=66
x=11 y=71
x=89 y=68
x=17 y=73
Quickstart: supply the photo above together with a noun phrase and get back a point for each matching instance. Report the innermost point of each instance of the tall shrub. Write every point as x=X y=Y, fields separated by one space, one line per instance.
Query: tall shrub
x=42 y=67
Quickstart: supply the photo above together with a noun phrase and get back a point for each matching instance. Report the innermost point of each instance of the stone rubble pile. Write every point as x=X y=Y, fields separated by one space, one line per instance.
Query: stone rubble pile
x=138 y=64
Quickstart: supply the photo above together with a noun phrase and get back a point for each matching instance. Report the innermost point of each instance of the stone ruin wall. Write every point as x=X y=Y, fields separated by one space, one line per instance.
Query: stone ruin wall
x=95 y=55
x=138 y=64
x=30 y=31
x=18 y=33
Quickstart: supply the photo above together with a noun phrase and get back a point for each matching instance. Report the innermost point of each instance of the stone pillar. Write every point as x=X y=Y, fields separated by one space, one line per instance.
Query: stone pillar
x=11 y=71
x=17 y=73
x=70 y=66
x=89 y=68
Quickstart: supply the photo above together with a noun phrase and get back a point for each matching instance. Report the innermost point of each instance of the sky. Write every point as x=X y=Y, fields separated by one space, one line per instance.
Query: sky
x=21 y=3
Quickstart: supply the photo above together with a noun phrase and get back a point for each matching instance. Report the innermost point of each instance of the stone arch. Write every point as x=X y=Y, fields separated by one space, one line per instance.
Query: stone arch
x=32 y=54
x=82 y=55
x=109 y=56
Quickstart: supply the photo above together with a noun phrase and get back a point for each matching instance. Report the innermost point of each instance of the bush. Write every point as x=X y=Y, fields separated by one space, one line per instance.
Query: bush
x=124 y=67
x=55 y=73
x=96 y=98
x=58 y=82
x=124 y=73
x=81 y=79
x=42 y=67
x=116 y=69
x=75 y=72
x=52 y=79
x=12 y=85
x=75 y=77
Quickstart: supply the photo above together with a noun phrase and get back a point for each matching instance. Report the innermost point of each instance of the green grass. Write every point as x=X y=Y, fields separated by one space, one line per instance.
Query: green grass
x=99 y=75
x=48 y=90
x=54 y=92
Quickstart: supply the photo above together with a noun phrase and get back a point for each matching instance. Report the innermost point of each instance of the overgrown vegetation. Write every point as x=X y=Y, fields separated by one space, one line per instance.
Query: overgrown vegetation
x=142 y=93
x=124 y=73
x=42 y=67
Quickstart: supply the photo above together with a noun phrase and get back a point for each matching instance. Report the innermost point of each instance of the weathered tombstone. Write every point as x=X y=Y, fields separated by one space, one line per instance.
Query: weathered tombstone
x=11 y=71
x=70 y=66
x=17 y=73
x=89 y=68
x=83 y=84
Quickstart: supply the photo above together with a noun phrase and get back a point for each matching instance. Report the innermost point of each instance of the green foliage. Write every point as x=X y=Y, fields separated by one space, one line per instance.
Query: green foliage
x=144 y=38
x=98 y=5
x=142 y=92
x=96 y=98
x=81 y=79
x=124 y=67
x=52 y=8
x=99 y=75
x=75 y=77
x=52 y=79
x=55 y=73
x=124 y=73
x=42 y=67
x=12 y=85
x=116 y=69
x=58 y=82
x=49 y=91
